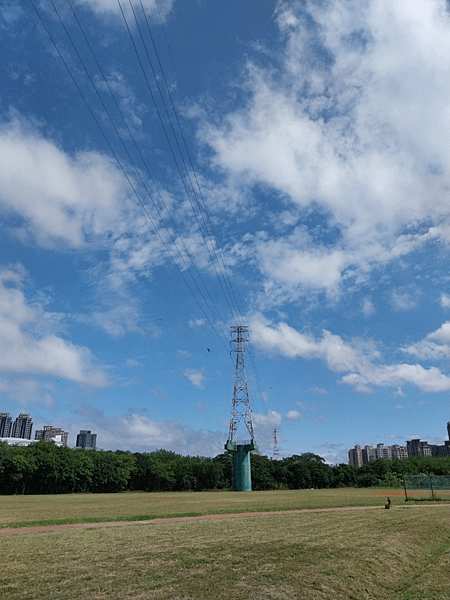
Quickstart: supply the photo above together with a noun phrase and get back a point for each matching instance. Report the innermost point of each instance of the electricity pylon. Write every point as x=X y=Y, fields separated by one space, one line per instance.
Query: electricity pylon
x=241 y=404
x=240 y=411
x=276 y=447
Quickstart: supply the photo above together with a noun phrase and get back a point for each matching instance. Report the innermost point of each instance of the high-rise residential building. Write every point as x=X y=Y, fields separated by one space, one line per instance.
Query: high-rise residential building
x=5 y=424
x=50 y=433
x=418 y=448
x=368 y=454
x=355 y=457
x=383 y=451
x=86 y=439
x=440 y=450
x=399 y=452
x=22 y=427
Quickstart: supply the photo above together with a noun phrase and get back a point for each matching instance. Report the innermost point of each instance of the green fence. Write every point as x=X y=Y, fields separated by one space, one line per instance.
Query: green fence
x=425 y=487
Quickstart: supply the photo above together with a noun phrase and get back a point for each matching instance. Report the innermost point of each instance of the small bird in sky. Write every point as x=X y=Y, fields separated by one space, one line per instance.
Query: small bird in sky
x=208 y=349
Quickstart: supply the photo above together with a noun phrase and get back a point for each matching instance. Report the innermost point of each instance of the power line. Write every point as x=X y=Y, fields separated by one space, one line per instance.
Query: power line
x=162 y=122
x=218 y=316
x=122 y=168
x=203 y=230
x=218 y=255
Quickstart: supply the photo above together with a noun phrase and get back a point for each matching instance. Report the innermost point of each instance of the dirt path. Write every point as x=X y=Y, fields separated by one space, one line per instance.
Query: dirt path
x=201 y=518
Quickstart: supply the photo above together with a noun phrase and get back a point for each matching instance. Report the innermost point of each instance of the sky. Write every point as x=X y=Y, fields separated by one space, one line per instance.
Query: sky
x=170 y=169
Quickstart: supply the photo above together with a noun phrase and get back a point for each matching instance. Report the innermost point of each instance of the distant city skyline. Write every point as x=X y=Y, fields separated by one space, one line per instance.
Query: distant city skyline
x=358 y=455
x=21 y=429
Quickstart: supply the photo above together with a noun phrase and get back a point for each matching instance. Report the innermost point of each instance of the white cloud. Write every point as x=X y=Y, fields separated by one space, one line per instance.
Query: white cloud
x=445 y=301
x=403 y=299
x=130 y=107
x=293 y=415
x=144 y=434
x=435 y=346
x=283 y=339
x=117 y=321
x=82 y=201
x=285 y=264
x=368 y=308
x=61 y=199
x=314 y=390
x=28 y=344
x=111 y=7
x=196 y=323
x=357 y=138
x=428 y=380
x=270 y=420
x=195 y=377
x=360 y=359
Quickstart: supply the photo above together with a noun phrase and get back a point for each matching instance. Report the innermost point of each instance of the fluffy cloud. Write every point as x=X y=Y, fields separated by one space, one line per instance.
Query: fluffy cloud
x=445 y=301
x=61 y=199
x=368 y=308
x=140 y=433
x=84 y=202
x=428 y=380
x=285 y=340
x=360 y=360
x=293 y=415
x=195 y=377
x=404 y=299
x=349 y=129
x=29 y=345
x=436 y=345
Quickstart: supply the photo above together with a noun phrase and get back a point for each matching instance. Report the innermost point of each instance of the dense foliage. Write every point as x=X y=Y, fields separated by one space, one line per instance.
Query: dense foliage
x=44 y=468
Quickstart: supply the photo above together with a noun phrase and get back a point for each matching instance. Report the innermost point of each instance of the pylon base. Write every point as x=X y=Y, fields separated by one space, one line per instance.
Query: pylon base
x=241 y=462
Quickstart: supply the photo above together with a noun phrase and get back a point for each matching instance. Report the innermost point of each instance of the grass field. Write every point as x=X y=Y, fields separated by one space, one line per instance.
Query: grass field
x=401 y=554
x=18 y=511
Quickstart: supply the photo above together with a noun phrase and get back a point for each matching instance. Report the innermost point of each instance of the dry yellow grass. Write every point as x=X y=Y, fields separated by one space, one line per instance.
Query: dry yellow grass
x=401 y=554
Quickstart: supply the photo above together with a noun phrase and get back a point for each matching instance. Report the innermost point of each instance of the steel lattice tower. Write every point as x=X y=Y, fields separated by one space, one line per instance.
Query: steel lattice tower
x=276 y=447
x=240 y=411
x=241 y=404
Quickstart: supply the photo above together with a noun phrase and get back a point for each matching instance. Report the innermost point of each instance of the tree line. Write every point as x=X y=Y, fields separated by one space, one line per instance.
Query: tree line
x=45 y=468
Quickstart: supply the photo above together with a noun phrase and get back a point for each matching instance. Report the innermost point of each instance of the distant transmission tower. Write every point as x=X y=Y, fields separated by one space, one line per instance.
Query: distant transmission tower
x=240 y=411
x=276 y=447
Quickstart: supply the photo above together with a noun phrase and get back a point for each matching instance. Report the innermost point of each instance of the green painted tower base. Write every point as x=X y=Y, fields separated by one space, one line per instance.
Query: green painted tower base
x=241 y=461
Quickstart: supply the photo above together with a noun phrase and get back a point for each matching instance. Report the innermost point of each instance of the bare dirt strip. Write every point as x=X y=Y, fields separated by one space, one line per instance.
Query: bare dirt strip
x=199 y=518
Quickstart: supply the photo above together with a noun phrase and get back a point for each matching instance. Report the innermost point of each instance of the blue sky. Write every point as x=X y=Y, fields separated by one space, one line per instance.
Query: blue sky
x=307 y=197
